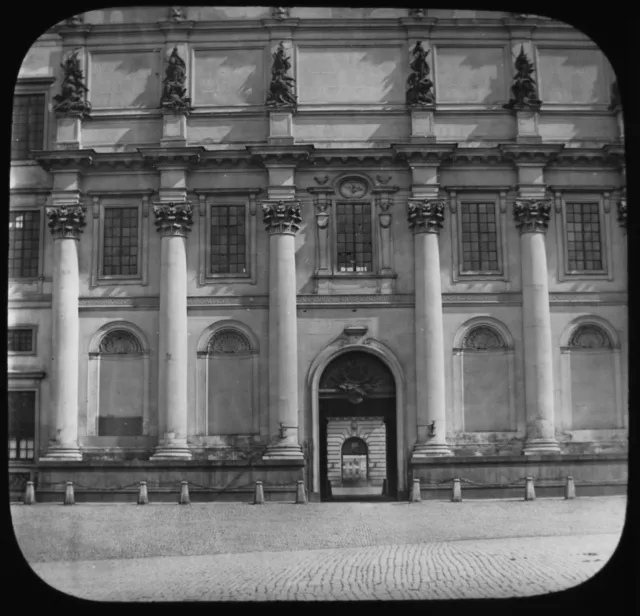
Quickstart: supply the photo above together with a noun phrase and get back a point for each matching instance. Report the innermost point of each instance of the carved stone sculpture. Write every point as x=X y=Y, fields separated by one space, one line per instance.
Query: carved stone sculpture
x=174 y=93
x=419 y=86
x=416 y=13
x=228 y=342
x=482 y=339
x=281 y=86
x=120 y=342
x=280 y=12
x=615 y=95
x=589 y=337
x=177 y=14
x=72 y=98
x=76 y=20
x=622 y=212
x=524 y=89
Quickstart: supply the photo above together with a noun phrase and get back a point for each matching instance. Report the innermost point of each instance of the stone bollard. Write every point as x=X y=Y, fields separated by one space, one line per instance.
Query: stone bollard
x=570 y=488
x=456 y=497
x=301 y=495
x=69 y=498
x=184 y=493
x=143 y=496
x=529 y=490
x=385 y=487
x=29 y=494
x=258 y=498
x=416 y=497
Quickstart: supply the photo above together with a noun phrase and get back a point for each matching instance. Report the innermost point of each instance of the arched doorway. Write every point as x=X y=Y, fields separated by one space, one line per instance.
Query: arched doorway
x=358 y=432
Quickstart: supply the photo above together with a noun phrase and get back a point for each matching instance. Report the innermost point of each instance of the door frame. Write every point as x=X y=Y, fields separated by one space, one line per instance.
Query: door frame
x=318 y=366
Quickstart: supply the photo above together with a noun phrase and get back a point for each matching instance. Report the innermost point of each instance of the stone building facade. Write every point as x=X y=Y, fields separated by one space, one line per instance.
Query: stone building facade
x=243 y=248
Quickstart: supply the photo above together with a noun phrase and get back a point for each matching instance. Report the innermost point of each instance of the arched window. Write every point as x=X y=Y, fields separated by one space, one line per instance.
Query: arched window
x=593 y=378
x=483 y=388
x=121 y=384
x=228 y=372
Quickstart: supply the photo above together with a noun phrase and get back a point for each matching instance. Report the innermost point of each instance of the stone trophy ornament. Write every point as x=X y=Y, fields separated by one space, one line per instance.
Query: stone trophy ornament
x=280 y=12
x=174 y=93
x=419 y=86
x=524 y=89
x=72 y=98
x=281 y=86
x=176 y=14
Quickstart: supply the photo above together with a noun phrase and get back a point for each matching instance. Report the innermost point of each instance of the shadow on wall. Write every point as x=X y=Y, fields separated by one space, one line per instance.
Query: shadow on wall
x=393 y=83
x=497 y=92
x=252 y=91
x=568 y=82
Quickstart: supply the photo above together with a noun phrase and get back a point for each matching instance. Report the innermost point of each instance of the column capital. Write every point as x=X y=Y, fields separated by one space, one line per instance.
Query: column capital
x=282 y=216
x=425 y=216
x=173 y=218
x=532 y=215
x=66 y=221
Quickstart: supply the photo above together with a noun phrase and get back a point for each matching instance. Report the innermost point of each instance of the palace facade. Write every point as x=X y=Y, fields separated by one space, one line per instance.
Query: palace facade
x=337 y=245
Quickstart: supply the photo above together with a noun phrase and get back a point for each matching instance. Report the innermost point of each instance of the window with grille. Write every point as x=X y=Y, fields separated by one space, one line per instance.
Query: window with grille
x=22 y=425
x=27 y=132
x=355 y=250
x=121 y=241
x=228 y=240
x=584 y=242
x=24 y=244
x=20 y=340
x=479 y=237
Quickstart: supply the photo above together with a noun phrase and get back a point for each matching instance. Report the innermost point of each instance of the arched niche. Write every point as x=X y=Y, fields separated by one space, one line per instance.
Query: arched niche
x=483 y=377
x=591 y=379
x=227 y=383
x=118 y=388
x=354 y=462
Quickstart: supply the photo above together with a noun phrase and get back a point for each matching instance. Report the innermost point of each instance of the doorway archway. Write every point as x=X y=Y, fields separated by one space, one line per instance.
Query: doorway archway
x=357 y=410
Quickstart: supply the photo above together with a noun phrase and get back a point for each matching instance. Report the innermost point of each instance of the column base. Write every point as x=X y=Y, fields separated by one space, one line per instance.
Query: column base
x=541 y=447
x=288 y=452
x=62 y=454
x=431 y=450
x=169 y=452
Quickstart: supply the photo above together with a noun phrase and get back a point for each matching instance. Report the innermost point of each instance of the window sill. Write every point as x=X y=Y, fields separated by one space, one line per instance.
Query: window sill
x=354 y=276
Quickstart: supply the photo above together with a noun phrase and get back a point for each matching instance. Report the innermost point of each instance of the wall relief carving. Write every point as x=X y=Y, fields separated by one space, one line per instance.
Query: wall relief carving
x=353 y=188
x=120 y=342
x=228 y=341
x=483 y=339
x=590 y=337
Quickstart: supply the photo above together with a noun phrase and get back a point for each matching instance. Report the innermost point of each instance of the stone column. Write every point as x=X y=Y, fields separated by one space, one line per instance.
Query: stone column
x=425 y=219
x=532 y=219
x=282 y=220
x=174 y=221
x=65 y=223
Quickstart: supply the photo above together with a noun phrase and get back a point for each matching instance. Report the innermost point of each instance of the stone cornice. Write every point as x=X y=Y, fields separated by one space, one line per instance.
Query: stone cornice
x=280 y=154
x=61 y=160
x=530 y=154
x=174 y=155
x=477 y=155
x=340 y=301
x=583 y=156
x=423 y=153
x=353 y=156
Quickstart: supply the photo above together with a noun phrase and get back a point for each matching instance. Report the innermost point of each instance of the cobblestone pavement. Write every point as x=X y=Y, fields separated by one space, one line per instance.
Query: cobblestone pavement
x=492 y=568
x=323 y=551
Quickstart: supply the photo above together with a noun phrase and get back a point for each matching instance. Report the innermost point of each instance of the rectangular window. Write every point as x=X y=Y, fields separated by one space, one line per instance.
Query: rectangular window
x=22 y=425
x=228 y=240
x=355 y=249
x=27 y=132
x=121 y=241
x=584 y=242
x=24 y=244
x=20 y=340
x=479 y=237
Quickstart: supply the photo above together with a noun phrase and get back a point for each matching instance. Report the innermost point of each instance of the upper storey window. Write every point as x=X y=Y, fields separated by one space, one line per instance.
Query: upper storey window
x=355 y=245
x=24 y=244
x=27 y=132
x=584 y=240
x=228 y=239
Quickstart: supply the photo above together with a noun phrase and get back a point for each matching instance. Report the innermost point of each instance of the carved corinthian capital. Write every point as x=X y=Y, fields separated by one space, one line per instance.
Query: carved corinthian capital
x=282 y=216
x=532 y=215
x=174 y=218
x=66 y=221
x=425 y=216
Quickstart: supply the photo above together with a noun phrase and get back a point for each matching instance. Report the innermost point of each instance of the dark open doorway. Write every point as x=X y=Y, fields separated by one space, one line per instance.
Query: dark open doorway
x=357 y=409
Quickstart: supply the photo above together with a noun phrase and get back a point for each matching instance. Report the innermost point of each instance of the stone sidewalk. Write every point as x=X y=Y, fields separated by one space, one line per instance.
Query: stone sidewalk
x=495 y=568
